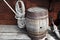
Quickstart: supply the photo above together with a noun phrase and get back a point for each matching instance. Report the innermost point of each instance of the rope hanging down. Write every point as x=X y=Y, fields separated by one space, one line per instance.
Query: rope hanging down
x=20 y=12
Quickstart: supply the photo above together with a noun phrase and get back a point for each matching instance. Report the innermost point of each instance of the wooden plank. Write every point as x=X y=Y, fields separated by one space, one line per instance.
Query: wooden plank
x=12 y=32
x=8 y=17
x=8 y=22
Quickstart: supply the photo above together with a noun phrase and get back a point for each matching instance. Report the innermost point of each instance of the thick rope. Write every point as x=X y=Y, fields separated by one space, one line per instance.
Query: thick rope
x=20 y=12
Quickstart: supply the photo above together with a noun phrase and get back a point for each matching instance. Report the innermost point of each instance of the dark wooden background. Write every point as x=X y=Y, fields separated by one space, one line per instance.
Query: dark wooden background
x=8 y=17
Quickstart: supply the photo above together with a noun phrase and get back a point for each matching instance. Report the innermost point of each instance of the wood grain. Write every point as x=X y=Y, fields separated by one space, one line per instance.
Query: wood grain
x=7 y=15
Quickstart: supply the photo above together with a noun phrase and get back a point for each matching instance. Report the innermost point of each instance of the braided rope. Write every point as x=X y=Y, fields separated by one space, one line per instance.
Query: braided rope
x=20 y=12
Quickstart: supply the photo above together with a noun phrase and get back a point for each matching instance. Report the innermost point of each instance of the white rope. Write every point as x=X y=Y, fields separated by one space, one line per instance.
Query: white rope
x=20 y=13
x=56 y=30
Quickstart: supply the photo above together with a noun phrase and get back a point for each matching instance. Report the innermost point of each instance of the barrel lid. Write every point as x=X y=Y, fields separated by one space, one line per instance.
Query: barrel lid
x=36 y=12
x=36 y=9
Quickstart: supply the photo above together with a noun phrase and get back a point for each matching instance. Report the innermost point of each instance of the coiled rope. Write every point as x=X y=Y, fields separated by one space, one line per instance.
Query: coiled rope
x=20 y=12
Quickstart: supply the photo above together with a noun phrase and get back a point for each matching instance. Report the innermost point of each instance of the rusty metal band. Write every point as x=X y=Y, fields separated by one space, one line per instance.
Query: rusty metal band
x=37 y=34
x=35 y=15
x=36 y=18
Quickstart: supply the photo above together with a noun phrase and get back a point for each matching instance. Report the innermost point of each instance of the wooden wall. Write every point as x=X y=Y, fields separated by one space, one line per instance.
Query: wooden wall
x=8 y=17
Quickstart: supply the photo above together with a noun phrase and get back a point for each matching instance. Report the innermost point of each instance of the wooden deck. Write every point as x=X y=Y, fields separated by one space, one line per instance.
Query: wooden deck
x=12 y=32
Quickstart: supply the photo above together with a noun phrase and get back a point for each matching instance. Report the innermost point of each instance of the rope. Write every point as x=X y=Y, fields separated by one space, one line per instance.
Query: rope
x=9 y=6
x=20 y=12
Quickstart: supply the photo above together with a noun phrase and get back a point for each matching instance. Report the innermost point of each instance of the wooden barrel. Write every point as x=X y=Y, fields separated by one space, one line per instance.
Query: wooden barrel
x=37 y=22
